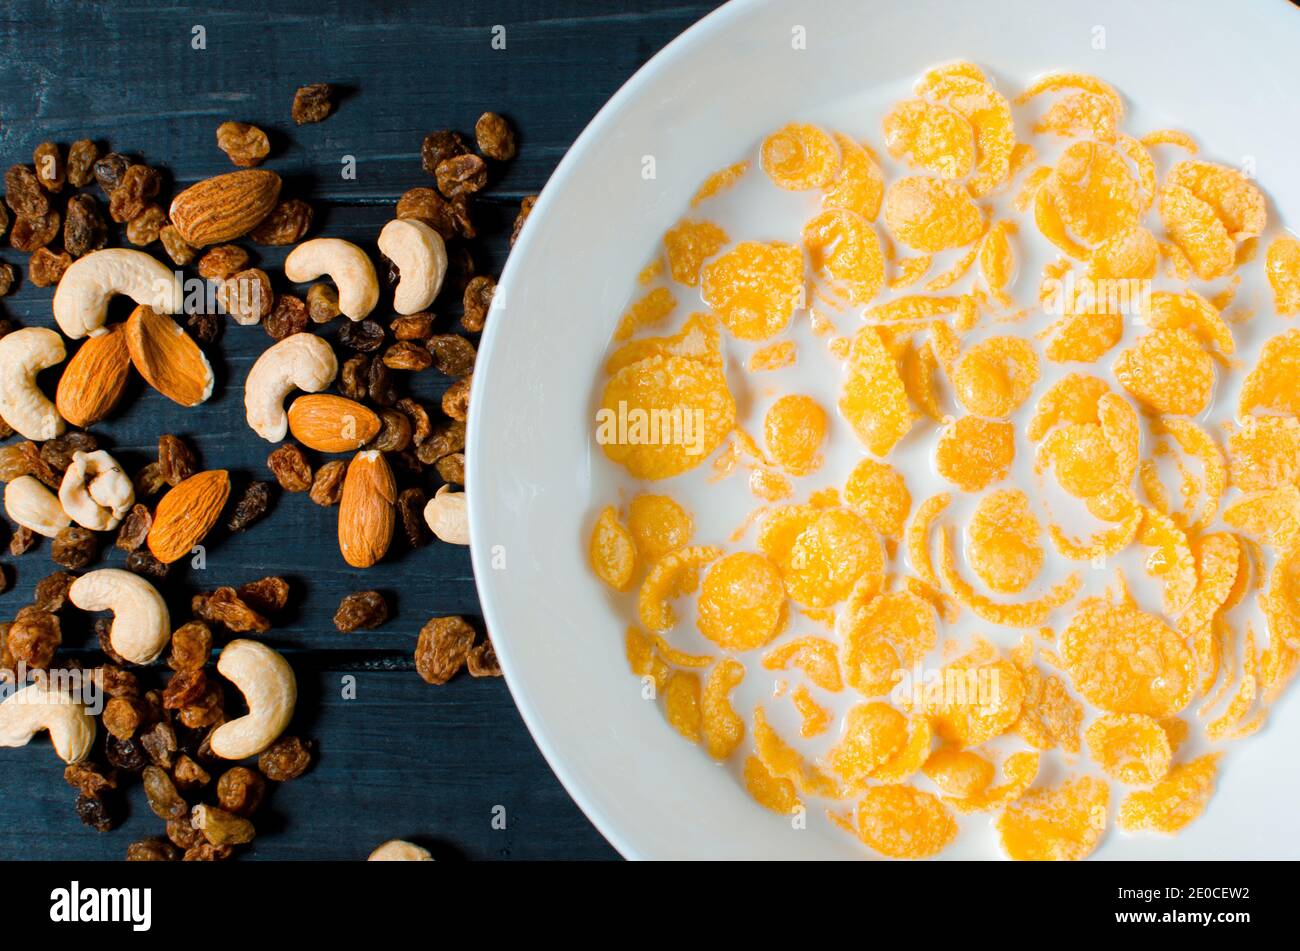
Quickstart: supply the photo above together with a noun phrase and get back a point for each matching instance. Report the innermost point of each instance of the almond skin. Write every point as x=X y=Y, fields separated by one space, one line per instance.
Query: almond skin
x=94 y=379
x=167 y=357
x=366 y=510
x=329 y=423
x=226 y=207
x=187 y=513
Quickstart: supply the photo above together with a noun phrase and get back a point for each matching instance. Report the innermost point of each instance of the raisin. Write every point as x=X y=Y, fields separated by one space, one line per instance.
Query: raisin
x=408 y=355
x=178 y=249
x=57 y=453
x=126 y=755
x=288 y=223
x=495 y=138
x=245 y=145
x=447 y=437
x=208 y=710
x=240 y=790
x=353 y=376
x=285 y=759
x=247 y=296
x=478 y=298
x=223 y=261
x=81 y=162
x=182 y=834
x=288 y=317
x=204 y=326
x=134 y=528
x=142 y=562
x=28 y=234
x=34 y=636
x=118 y=681
x=379 y=384
x=207 y=852
x=426 y=205
x=525 y=209
x=90 y=779
x=110 y=170
x=84 y=230
x=152 y=850
x=159 y=743
x=23 y=193
x=74 y=548
x=461 y=175
x=455 y=401
x=96 y=813
x=189 y=775
x=252 y=505
x=419 y=417
x=51 y=592
x=265 y=595
x=51 y=170
x=176 y=461
x=290 y=468
x=145 y=227
x=23 y=540
x=412 y=326
x=482 y=661
x=451 y=468
x=123 y=716
x=47 y=268
x=410 y=506
x=7 y=274
x=191 y=647
x=149 y=480
x=138 y=184
x=222 y=828
x=327 y=487
x=312 y=103
x=364 y=336
x=461 y=216
x=224 y=606
x=440 y=146
x=162 y=795
x=360 y=609
x=322 y=303
x=394 y=434
x=184 y=688
x=442 y=648
x=4 y=222
x=453 y=355
x=104 y=637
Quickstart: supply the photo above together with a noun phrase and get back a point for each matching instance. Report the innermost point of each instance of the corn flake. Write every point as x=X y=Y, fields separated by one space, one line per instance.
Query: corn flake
x=1002 y=541
x=689 y=244
x=860 y=187
x=995 y=376
x=931 y=214
x=722 y=727
x=1168 y=371
x=930 y=136
x=973 y=453
x=902 y=822
x=1274 y=385
x=742 y=602
x=1175 y=801
x=1282 y=265
x=612 y=552
x=1130 y=747
x=1064 y=823
x=800 y=156
x=755 y=288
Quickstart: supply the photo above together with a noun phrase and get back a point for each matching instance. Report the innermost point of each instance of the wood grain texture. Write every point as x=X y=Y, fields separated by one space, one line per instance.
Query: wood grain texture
x=402 y=759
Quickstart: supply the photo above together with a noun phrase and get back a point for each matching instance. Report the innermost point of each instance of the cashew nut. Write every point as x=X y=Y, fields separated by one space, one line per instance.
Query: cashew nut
x=23 y=354
x=81 y=302
x=300 y=360
x=141 y=624
x=267 y=683
x=33 y=506
x=447 y=516
x=39 y=707
x=95 y=491
x=398 y=850
x=347 y=266
x=421 y=259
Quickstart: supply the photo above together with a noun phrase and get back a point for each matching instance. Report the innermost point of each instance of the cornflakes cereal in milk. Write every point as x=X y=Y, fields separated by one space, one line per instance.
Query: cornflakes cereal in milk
x=926 y=380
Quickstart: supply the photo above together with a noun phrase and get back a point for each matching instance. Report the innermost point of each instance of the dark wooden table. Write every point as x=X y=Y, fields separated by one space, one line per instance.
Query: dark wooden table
x=402 y=759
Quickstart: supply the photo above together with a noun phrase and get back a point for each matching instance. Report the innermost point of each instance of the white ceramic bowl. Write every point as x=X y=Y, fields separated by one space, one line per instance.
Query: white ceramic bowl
x=1220 y=69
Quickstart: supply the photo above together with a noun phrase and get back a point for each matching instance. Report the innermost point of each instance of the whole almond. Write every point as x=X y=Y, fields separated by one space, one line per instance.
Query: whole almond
x=366 y=509
x=329 y=423
x=187 y=513
x=94 y=378
x=167 y=357
x=223 y=208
